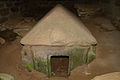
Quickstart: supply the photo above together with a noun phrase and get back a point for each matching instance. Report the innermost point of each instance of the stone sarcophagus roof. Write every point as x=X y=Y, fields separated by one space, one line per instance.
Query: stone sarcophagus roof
x=59 y=27
x=59 y=37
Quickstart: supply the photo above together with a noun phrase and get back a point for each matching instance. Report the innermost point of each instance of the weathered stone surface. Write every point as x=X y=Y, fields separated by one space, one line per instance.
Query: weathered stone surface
x=2 y=28
x=4 y=12
x=104 y=23
x=3 y=19
x=17 y=3
x=117 y=2
x=14 y=9
x=4 y=76
x=1 y=5
x=87 y=10
x=116 y=23
x=2 y=41
x=21 y=32
x=29 y=19
x=59 y=27
x=8 y=35
x=77 y=55
x=3 y=0
x=9 y=4
x=109 y=76
x=8 y=7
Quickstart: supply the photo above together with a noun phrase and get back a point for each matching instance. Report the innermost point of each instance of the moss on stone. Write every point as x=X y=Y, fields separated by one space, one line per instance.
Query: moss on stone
x=90 y=55
x=77 y=56
x=41 y=65
x=81 y=55
x=28 y=66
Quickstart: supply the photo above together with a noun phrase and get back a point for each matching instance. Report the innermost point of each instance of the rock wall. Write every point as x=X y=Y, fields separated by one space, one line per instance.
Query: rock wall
x=112 y=11
x=8 y=7
x=39 y=8
x=111 y=7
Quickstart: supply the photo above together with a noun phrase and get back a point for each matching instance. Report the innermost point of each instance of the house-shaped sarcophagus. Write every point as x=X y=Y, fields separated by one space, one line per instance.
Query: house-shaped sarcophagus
x=58 y=43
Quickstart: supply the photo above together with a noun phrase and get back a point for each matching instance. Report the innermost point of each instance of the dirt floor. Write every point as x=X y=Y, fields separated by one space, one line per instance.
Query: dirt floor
x=107 y=57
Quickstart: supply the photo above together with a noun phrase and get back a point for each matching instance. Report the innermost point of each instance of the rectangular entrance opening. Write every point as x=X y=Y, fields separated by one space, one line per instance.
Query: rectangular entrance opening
x=59 y=66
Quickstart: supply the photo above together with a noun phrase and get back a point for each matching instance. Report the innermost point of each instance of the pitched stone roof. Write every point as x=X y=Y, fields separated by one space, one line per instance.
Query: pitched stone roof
x=59 y=27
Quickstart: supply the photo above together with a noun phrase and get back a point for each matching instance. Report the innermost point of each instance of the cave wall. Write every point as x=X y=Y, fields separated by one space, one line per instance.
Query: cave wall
x=111 y=7
x=8 y=7
x=38 y=8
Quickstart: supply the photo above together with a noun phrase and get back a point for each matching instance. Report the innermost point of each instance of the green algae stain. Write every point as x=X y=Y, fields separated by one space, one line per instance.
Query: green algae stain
x=28 y=66
x=79 y=56
x=41 y=65
x=91 y=55
x=76 y=57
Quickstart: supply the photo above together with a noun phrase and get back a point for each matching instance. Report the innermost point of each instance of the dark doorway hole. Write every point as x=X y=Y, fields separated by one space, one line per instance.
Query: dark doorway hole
x=59 y=66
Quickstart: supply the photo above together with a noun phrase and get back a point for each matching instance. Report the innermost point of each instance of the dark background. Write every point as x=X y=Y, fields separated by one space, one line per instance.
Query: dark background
x=38 y=8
